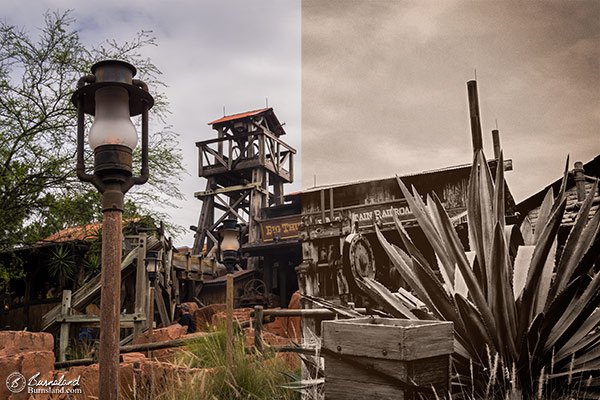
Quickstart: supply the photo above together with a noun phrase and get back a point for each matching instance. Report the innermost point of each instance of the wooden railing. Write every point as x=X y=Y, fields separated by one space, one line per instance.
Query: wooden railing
x=247 y=150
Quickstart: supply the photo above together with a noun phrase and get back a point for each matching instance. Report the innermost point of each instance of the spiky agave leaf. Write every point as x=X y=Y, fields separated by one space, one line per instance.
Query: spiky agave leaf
x=498 y=206
x=513 y=307
x=480 y=218
x=521 y=268
x=578 y=241
x=475 y=326
x=451 y=244
x=578 y=312
x=526 y=302
x=583 y=337
x=427 y=224
x=399 y=262
x=501 y=294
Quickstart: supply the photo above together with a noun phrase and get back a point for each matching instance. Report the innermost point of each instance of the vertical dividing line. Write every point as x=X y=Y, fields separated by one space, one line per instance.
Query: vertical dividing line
x=229 y=321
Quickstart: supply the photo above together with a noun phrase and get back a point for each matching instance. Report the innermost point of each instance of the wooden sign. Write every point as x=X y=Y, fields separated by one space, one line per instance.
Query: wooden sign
x=280 y=229
x=381 y=213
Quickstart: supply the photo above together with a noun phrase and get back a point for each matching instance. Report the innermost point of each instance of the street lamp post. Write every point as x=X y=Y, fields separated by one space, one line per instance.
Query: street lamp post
x=112 y=96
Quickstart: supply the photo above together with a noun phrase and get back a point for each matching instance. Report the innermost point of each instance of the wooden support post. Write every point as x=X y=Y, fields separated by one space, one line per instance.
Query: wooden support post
x=64 y=326
x=278 y=191
x=162 y=308
x=331 y=204
x=322 y=206
x=258 y=200
x=205 y=221
x=282 y=275
x=140 y=284
x=258 y=322
x=496 y=142
x=150 y=309
x=229 y=320
x=176 y=293
x=220 y=143
x=579 y=174
x=475 y=117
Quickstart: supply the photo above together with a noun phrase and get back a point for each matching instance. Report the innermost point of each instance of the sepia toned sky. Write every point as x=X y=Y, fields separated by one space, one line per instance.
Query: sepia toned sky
x=384 y=86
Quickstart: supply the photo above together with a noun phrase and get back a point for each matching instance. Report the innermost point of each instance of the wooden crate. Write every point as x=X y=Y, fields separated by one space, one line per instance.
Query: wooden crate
x=415 y=352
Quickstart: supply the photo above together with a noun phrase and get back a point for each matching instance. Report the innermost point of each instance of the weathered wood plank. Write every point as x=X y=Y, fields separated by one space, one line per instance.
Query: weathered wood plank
x=85 y=294
x=432 y=371
x=392 y=339
x=162 y=308
x=383 y=356
x=343 y=389
x=141 y=283
x=89 y=319
x=64 y=327
x=338 y=369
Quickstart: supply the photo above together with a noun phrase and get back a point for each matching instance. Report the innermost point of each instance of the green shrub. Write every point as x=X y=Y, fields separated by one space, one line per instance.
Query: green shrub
x=251 y=376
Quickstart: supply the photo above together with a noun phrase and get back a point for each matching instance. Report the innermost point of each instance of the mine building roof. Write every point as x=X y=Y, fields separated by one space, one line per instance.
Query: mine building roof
x=528 y=207
x=274 y=125
x=462 y=168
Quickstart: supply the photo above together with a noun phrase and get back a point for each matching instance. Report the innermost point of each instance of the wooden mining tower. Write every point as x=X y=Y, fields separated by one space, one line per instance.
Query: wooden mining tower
x=245 y=166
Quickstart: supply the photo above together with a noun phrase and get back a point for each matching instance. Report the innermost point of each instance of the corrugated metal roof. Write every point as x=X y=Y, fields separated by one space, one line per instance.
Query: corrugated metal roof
x=233 y=117
x=433 y=171
x=411 y=174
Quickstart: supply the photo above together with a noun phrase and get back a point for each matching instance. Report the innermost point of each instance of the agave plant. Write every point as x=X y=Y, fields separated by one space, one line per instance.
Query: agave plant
x=61 y=265
x=525 y=312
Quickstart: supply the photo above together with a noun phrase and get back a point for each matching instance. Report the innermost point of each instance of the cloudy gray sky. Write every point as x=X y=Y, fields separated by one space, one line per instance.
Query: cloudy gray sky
x=232 y=53
x=384 y=86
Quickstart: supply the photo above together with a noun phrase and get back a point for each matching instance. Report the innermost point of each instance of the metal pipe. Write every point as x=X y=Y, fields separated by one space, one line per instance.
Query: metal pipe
x=110 y=300
x=474 y=115
x=145 y=172
x=80 y=166
x=229 y=321
x=305 y=312
x=143 y=347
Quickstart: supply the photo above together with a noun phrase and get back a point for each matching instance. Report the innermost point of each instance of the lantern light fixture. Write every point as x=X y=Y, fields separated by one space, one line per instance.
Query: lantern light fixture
x=229 y=243
x=112 y=124
x=112 y=96
x=152 y=265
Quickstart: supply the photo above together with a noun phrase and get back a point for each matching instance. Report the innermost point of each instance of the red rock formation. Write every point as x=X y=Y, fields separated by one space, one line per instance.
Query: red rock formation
x=204 y=316
x=27 y=353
